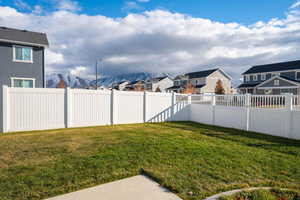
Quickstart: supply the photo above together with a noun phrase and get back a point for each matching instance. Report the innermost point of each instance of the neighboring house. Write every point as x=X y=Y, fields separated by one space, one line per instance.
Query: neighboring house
x=22 y=62
x=159 y=84
x=204 y=82
x=135 y=86
x=276 y=79
x=180 y=83
x=120 y=85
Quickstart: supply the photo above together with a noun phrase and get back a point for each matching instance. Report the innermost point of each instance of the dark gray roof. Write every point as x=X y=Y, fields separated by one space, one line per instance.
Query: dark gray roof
x=201 y=74
x=199 y=86
x=23 y=36
x=173 y=87
x=283 y=66
x=248 y=85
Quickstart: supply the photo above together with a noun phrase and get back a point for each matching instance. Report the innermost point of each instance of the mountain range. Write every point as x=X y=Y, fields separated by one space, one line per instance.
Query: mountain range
x=55 y=80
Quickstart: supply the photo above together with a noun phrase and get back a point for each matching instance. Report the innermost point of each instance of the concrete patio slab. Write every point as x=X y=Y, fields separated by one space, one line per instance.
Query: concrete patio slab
x=134 y=188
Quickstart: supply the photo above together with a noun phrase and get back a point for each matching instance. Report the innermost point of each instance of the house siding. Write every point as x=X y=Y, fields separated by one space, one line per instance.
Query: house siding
x=282 y=83
x=9 y=68
x=211 y=82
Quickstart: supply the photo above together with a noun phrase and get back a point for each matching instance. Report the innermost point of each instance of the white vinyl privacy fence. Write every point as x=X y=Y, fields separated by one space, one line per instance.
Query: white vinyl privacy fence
x=39 y=108
x=274 y=115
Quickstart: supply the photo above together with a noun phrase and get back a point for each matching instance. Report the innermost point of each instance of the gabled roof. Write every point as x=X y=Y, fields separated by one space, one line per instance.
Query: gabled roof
x=157 y=79
x=283 y=66
x=25 y=37
x=201 y=74
x=252 y=85
x=135 y=82
x=248 y=85
x=173 y=87
x=200 y=86
x=279 y=77
x=206 y=73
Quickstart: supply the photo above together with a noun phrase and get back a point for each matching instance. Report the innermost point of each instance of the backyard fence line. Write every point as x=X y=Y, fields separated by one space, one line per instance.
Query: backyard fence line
x=48 y=108
x=277 y=115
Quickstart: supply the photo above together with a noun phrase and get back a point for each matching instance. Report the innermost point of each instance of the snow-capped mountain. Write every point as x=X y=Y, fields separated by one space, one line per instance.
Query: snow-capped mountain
x=59 y=79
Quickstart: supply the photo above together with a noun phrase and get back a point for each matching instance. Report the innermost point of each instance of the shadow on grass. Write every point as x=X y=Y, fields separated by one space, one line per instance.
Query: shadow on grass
x=251 y=139
x=158 y=180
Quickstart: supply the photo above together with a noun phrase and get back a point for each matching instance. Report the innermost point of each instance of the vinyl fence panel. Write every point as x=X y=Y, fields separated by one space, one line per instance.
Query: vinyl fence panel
x=128 y=107
x=36 y=109
x=90 y=107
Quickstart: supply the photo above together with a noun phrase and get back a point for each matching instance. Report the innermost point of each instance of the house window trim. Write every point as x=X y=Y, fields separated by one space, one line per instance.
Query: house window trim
x=297 y=75
x=276 y=82
x=254 y=77
x=21 y=78
x=275 y=74
x=22 y=61
x=247 y=78
x=263 y=76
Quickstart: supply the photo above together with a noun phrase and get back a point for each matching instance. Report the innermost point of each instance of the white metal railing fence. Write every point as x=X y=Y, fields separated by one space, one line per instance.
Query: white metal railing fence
x=296 y=102
x=253 y=101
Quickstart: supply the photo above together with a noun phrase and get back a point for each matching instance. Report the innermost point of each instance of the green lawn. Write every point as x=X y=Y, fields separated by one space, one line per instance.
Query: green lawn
x=184 y=156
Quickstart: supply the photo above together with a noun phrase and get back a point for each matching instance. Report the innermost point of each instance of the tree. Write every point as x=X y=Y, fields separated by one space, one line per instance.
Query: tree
x=190 y=89
x=61 y=84
x=157 y=89
x=219 y=88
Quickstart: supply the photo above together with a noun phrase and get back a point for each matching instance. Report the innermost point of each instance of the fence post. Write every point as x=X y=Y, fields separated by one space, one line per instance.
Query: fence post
x=112 y=106
x=145 y=107
x=173 y=104
x=289 y=108
x=189 y=99
x=213 y=104
x=248 y=106
x=5 y=108
x=69 y=107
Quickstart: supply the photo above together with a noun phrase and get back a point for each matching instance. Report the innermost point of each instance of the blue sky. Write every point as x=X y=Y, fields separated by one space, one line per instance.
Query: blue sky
x=165 y=36
x=244 y=12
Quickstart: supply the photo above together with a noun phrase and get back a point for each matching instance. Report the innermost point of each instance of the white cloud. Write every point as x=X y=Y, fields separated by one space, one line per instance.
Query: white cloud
x=68 y=5
x=78 y=71
x=157 y=41
x=295 y=5
x=131 y=5
x=143 y=1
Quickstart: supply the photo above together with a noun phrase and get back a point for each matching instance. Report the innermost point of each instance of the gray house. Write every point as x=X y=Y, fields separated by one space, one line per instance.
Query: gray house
x=276 y=79
x=22 y=62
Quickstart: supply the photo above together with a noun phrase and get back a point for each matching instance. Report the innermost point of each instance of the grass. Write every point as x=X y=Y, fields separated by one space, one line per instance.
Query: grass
x=192 y=160
x=274 y=194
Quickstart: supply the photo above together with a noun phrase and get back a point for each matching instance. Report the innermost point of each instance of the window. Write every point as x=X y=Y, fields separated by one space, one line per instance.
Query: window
x=254 y=77
x=276 y=82
x=298 y=75
x=23 y=82
x=263 y=77
x=247 y=78
x=275 y=74
x=22 y=54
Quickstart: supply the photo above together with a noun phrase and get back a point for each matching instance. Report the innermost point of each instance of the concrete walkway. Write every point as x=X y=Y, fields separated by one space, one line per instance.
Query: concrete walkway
x=134 y=188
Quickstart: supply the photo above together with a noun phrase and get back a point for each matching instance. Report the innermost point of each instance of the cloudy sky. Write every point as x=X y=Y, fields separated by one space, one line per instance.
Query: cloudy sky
x=165 y=36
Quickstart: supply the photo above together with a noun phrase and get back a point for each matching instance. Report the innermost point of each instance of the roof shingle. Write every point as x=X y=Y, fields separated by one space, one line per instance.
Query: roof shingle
x=283 y=66
x=23 y=36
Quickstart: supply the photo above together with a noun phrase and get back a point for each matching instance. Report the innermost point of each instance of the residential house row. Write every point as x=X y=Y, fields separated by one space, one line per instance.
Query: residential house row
x=22 y=64
x=272 y=79
x=203 y=82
